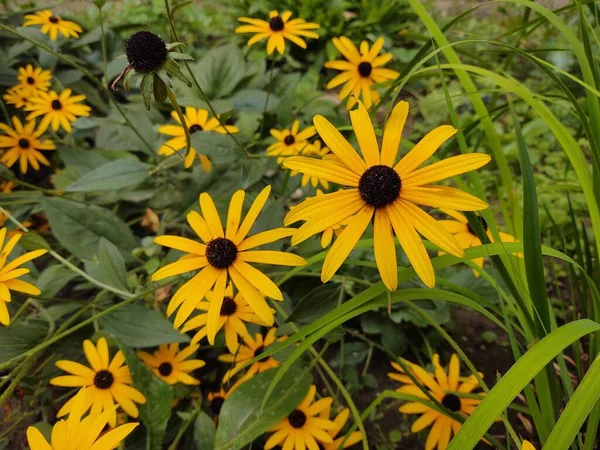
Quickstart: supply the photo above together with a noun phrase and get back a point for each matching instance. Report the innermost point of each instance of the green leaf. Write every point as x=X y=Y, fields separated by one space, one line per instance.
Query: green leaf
x=79 y=227
x=83 y=161
x=160 y=90
x=316 y=303
x=219 y=148
x=53 y=279
x=112 y=265
x=19 y=337
x=140 y=327
x=242 y=420
x=155 y=413
x=111 y=176
x=204 y=432
x=147 y=90
x=252 y=171
x=221 y=70
x=32 y=241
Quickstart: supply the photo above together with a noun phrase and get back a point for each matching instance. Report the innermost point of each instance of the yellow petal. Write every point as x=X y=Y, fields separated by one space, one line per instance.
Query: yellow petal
x=252 y=296
x=252 y=215
x=442 y=197
x=393 y=133
x=385 y=249
x=322 y=169
x=365 y=134
x=209 y=211
x=446 y=168
x=214 y=310
x=339 y=145
x=424 y=149
x=234 y=214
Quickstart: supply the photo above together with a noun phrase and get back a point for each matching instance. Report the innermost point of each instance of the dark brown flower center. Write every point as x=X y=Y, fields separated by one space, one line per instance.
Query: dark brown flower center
x=276 y=23
x=216 y=404
x=365 y=69
x=483 y=223
x=451 y=402
x=228 y=307
x=53 y=19
x=259 y=351
x=145 y=51
x=24 y=143
x=289 y=139
x=30 y=80
x=103 y=379
x=379 y=185
x=165 y=369
x=195 y=128
x=221 y=253
x=56 y=105
x=297 y=418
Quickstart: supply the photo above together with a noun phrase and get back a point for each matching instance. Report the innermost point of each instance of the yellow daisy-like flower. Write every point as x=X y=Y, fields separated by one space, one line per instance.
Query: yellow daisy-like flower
x=23 y=144
x=339 y=421
x=216 y=400
x=225 y=254
x=277 y=30
x=313 y=149
x=250 y=349
x=388 y=191
x=16 y=96
x=360 y=71
x=31 y=80
x=10 y=273
x=467 y=238
x=58 y=110
x=527 y=446
x=303 y=428
x=52 y=24
x=108 y=382
x=170 y=364
x=235 y=311
x=7 y=186
x=290 y=141
x=76 y=433
x=442 y=385
x=195 y=120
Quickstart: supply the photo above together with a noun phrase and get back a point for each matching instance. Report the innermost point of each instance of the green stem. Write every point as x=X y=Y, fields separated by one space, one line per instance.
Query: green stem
x=183 y=427
x=103 y=41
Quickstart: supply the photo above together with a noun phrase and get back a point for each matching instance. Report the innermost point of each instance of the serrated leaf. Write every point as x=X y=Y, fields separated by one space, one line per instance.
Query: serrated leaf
x=219 y=148
x=17 y=338
x=112 y=265
x=316 y=303
x=112 y=176
x=204 y=432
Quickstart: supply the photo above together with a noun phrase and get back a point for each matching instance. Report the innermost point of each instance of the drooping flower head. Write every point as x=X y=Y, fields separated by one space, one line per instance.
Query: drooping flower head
x=57 y=110
x=145 y=51
x=361 y=70
x=378 y=187
x=33 y=80
x=22 y=143
x=277 y=30
x=172 y=365
x=290 y=141
x=52 y=24
x=223 y=254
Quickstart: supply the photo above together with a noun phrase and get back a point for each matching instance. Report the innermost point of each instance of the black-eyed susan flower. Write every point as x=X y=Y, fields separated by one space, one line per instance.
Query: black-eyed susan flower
x=304 y=428
x=318 y=151
x=361 y=70
x=444 y=385
x=387 y=191
x=52 y=24
x=22 y=143
x=216 y=400
x=527 y=446
x=57 y=110
x=277 y=30
x=339 y=421
x=10 y=272
x=77 y=433
x=31 y=80
x=251 y=348
x=235 y=313
x=290 y=141
x=224 y=254
x=172 y=365
x=16 y=96
x=108 y=382
x=196 y=119
x=467 y=238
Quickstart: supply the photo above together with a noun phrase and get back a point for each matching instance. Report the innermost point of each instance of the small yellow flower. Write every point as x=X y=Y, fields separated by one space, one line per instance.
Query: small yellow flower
x=33 y=80
x=314 y=149
x=76 y=433
x=216 y=400
x=16 y=96
x=291 y=141
x=7 y=186
x=23 y=144
x=277 y=30
x=57 y=109
x=339 y=421
x=10 y=273
x=172 y=365
x=196 y=120
x=360 y=71
x=52 y=24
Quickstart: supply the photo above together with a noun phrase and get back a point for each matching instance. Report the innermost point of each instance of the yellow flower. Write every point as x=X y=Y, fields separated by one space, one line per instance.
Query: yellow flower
x=250 y=349
x=303 y=428
x=16 y=96
x=170 y=364
x=33 y=80
x=442 y=385
x=290 y=142
x=313 y=149
x=217 y=399
x=57 y=109
x=77 y=434
x=339 y=421
x=225 y=254
x=277 y=30
x=108 y=382
x=389 y=192
x=7 y=186
x=23 y=144
x=360 y=71
x=52 y=25
x=10 y=273
x=196 y=120
x=234 y=312
x=527 y=446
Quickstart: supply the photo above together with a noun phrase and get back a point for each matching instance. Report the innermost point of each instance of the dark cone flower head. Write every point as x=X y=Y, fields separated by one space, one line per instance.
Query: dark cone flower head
x=145 y=51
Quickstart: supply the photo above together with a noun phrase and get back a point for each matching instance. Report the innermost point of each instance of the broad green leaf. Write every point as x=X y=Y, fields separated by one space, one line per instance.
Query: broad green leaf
x=219 y=148
x=221 y=70
x=111 y=176
x=112 y=265
x=53 y=279
x=33 y=241
x=83 y=160
x=19 y=337
x=204 y=432
x=147 y=90
x=79 y=227
x=316 y=303
x=139 y=326
x=242 y=420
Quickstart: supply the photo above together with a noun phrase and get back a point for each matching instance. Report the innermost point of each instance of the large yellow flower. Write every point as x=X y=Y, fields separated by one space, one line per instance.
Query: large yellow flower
x=313 y=149
x=388 y=191
x=443 y=385
x=57 y=109
x=76 y=433
x=360 y=71
x=10 y=273
x=108 y=382
x=31 y=80
x=339 y=421
x=277 y=30
x=303 y=428
x=290 y=141
x=225 y=254
x=195 y=120
x=172 y=365
x=23 y=144
x=235 y=311
x=52 y=24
